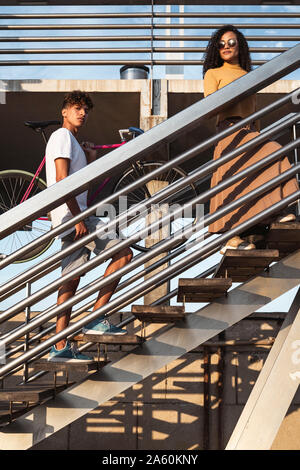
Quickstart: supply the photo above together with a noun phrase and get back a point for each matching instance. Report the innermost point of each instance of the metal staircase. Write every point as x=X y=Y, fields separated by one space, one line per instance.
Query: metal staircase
x=262 y=275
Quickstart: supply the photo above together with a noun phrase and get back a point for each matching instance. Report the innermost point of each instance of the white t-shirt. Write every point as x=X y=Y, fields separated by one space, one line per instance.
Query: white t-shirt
x=62 y=144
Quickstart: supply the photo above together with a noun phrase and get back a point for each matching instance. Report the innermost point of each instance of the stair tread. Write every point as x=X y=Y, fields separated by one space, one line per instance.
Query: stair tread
x=110 y=339
x=158 y=309
x=158 y=314
x=202 y=290
x=284 y=237
x=289 y=231
x=26 y=392
x=44 y=364
x=240 y=265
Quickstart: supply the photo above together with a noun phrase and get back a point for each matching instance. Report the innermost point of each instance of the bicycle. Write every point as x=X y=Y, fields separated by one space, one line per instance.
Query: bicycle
x=17 y=186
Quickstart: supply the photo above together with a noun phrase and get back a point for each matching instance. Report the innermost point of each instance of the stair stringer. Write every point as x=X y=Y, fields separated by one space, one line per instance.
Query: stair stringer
x=200 y=326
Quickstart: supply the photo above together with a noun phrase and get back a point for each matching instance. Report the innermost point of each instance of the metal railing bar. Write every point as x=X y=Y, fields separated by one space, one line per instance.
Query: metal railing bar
x=52 y=311
x=155 y=280
x=231 y=14
x=33 y=279
x=136 y=50
x=157 y=249
x=145 y=26
x=134 y=38
x=211 y=14
x=120 y=287
x=6 y=63
x=192 y=262
x=88 y=344
x=24 y=16
x=91 y=303
x=175 y=126
x=195 y=175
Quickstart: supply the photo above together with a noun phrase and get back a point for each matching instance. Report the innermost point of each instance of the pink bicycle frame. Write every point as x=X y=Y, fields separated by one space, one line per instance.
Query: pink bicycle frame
x=99 y=189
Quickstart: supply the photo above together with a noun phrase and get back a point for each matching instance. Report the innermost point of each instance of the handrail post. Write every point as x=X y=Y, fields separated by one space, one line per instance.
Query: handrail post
x=26 y=340
x=296 y=125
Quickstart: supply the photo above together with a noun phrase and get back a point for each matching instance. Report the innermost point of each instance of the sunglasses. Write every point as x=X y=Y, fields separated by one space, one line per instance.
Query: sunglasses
x=230 y=43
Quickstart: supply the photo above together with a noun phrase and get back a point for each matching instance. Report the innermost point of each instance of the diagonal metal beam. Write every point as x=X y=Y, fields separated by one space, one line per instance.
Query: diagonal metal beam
x=160 y=350
x=274 y=389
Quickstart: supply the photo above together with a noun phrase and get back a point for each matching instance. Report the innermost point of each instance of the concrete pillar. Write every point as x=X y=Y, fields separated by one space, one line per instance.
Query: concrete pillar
x=154 y=108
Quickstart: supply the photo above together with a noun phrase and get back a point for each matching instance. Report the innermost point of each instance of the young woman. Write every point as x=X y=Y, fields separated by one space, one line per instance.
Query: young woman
x=226 y=59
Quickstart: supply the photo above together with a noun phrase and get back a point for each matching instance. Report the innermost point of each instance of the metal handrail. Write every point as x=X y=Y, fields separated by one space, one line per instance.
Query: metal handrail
x=141 y=259
x=121 y=287
x=135 y=50
x=134 y=38
x=188 y=118
x=158 y=197
x=146 y=26
x=168 y=165
x=123 y=323
x=182 y=264
x=158 y=278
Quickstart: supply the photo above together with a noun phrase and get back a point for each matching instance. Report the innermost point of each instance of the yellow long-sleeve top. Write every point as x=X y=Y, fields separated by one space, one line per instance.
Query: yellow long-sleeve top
x=219 y=77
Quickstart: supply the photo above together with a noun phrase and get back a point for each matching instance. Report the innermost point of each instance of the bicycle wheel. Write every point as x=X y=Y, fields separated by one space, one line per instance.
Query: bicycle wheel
x=164 y=179
x=13 y=184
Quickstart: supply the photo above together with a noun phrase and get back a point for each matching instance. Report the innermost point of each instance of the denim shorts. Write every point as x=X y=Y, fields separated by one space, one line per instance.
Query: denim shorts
x=82 y=255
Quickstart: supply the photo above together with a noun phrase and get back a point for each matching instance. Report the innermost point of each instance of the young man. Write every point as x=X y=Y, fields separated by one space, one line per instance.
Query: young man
x=64 y=156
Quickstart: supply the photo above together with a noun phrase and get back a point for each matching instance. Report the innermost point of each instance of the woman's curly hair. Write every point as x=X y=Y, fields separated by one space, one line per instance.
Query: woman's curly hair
x=212 y=57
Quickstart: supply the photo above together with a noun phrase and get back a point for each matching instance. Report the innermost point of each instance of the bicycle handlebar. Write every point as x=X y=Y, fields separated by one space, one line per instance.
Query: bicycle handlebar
x=136 y=130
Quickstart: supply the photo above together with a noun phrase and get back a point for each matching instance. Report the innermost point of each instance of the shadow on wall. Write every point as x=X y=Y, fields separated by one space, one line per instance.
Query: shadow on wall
x=192 y=403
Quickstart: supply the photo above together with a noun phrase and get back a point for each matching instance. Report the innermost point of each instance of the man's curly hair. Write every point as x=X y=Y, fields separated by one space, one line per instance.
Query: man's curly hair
x=77 y=97
x=212 y=57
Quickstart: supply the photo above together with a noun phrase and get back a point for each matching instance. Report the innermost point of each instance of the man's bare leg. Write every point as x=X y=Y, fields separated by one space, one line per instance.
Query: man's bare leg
x=118 y=261
x=65 y=292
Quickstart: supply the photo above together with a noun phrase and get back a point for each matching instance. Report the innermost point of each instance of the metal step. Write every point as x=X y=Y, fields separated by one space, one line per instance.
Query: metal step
x=241 y=265
x=202 y=290
x=158 y=314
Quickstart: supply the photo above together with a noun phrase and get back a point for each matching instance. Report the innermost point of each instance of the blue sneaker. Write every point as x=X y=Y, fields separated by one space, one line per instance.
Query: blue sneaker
x=102 y=327
x=68 y=354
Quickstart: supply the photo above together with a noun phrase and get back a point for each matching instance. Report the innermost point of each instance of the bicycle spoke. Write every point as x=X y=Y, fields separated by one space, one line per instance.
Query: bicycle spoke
x=139 y=195
x=13 y=185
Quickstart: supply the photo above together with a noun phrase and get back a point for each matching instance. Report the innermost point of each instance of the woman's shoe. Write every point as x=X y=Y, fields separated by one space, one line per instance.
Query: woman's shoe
x=286 y=218
x=237 y=243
